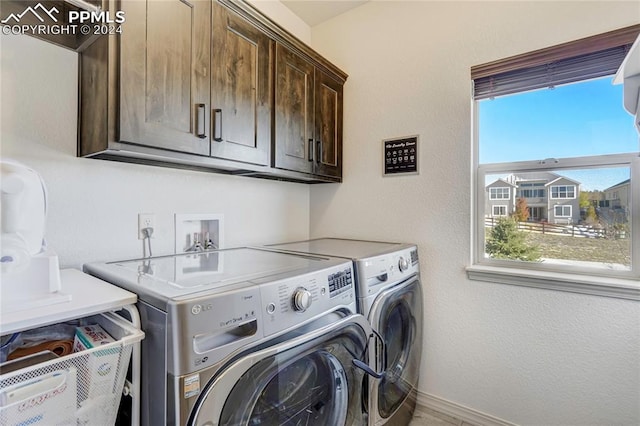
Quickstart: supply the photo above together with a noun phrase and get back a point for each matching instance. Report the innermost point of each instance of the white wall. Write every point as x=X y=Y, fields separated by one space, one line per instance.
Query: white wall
x=525 y=355
x=281 y=14
x=94 y=203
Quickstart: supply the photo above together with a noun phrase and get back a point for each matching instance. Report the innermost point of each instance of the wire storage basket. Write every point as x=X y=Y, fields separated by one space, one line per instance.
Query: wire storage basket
x=82 y=388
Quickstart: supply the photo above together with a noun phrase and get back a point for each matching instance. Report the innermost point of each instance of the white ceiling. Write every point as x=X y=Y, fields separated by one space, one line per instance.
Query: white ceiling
x=313 y=12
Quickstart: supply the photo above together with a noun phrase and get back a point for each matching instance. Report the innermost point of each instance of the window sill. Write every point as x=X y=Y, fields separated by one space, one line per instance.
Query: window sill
x=599 y=286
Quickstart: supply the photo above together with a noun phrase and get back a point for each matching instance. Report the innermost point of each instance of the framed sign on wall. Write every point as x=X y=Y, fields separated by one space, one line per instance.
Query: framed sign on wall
x=400 y=156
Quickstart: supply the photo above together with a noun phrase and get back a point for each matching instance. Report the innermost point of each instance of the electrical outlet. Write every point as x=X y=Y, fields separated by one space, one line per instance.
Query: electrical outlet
x=146 y=220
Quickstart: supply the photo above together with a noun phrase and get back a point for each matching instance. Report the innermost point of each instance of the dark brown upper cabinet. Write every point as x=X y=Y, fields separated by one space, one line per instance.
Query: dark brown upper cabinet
x=328 y=125
x=308 y=117
x=164 y=74
x=195 y=84
x=241 y=90
x=294 y=120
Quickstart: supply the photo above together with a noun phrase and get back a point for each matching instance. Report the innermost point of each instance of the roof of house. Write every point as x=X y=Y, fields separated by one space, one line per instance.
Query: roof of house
x=532 y=176
x=501 y=180
x=546 y=177
x=624 y=182
x=561 y=178
x=529 y=176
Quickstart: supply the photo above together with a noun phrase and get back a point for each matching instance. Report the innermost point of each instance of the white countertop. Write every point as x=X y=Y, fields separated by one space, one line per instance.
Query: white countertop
x=89 y=296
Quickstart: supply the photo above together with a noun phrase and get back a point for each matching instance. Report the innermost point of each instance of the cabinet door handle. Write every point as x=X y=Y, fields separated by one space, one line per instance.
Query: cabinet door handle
x=319 y=148
x=310 y=148
x=217 y=125
x=201 y=124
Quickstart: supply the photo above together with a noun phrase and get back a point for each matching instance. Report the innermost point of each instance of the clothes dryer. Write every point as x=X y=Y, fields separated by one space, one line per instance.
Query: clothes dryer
x=247 y=337
x=390 y=297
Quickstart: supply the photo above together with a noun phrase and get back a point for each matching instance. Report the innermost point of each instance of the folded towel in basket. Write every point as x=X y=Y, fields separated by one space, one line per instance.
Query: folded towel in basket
x=58 y=347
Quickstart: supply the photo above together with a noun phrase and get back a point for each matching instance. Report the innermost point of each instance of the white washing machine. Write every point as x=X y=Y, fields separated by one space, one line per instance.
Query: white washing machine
x=247 y=337
x=390 y=296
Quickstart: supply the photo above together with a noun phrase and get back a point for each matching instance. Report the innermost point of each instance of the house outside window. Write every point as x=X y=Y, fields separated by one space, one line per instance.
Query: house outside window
x=498 y=196
x=541 y=206
x=564 y=157
x=617 y=199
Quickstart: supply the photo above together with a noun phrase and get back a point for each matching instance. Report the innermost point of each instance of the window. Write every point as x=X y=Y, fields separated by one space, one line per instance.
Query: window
x=499 y=211
x=536 y=214
x=551 y=124
x=562 y=211
x=531 y=193
x=563 y=191
x=499 y=193
x=531 y=190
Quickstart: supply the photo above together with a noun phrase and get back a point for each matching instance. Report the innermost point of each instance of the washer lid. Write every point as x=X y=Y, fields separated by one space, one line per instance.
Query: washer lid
x=181 y=275
x=350 y=249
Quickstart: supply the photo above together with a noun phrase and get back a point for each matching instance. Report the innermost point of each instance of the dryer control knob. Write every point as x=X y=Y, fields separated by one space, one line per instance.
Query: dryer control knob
x=403 y=264
x=301 y=299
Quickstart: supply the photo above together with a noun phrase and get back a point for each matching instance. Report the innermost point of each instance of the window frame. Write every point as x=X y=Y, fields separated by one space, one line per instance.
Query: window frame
x=534 y=193
x=566 y=192
x=571 y=278
x=501 y=206
x=502 y=188
x=562 y=206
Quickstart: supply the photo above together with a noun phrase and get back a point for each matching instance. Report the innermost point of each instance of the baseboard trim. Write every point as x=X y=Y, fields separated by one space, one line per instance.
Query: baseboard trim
x=458 y=411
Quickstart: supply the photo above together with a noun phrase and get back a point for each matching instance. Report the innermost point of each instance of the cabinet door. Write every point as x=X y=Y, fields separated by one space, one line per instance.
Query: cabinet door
x=294 y=112
x=328 y=125
x=240 y=89
x=164 y=74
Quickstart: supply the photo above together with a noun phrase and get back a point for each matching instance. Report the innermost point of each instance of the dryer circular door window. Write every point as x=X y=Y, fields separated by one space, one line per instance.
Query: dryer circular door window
x=314 y=383
x=309 y=390
x=397 y=314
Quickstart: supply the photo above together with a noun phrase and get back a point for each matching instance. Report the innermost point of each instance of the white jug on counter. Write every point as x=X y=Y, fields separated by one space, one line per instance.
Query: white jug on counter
x=30 y=273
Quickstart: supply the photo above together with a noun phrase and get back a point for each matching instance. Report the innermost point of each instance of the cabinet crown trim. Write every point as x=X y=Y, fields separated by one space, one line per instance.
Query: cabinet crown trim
x=282 y=36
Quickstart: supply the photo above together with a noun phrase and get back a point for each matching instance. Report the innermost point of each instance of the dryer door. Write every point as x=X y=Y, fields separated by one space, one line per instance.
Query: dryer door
x=306 y=379
x=397 y=315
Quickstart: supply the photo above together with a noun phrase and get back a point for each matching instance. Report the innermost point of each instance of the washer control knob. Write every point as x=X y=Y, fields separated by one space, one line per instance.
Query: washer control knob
x=301 y=299
x=403 y=264
x=271 y=308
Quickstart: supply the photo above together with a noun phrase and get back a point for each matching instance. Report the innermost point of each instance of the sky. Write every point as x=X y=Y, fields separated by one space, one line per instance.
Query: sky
x=573 y=120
